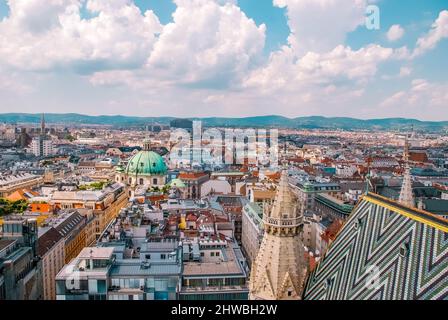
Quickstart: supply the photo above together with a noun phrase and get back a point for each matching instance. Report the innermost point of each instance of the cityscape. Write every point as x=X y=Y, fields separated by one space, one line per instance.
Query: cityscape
x=233 y=183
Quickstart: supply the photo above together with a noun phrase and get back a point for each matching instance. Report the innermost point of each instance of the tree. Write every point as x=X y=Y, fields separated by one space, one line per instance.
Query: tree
x=8 y=207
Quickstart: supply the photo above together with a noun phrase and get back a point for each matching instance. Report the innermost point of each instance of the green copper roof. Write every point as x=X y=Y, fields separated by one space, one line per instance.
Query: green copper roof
x=177 y=183
x=146 y=163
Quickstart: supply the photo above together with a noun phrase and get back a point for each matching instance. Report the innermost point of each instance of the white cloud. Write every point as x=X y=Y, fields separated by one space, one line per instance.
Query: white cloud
x=439 y=31
x=342 y=66
x=206 y=43
x=321 y=25
x=422 y=94
x=208 y=61
x=396 y=32
x=37 y=37
x=405 y=71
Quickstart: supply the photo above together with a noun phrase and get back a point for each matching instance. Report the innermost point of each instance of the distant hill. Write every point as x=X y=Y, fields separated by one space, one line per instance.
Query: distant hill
x=314 y=122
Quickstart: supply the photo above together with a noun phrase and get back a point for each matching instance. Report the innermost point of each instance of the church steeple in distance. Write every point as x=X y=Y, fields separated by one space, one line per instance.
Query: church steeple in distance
x=406 y=195
x=42 y=124
x=278 y=272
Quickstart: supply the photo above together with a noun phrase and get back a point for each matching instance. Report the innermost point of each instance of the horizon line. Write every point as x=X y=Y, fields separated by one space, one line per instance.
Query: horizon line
x=219 y=117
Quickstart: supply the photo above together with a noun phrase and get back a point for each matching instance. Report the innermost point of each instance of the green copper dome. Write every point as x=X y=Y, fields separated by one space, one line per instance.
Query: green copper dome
x=146 y=163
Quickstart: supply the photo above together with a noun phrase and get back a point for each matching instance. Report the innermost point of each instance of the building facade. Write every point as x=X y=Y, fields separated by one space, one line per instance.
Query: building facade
x=105 y=204
x=105 y=273
x=51 y=250
x=252 y=231
x=213 y=270
x=11 y=183
x=20 y=266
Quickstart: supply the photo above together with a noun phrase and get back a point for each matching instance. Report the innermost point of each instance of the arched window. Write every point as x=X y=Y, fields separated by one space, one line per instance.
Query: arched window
x=141 y=181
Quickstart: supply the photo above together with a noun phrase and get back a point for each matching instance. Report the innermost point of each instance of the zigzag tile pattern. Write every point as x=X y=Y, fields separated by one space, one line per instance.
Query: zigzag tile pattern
x=384 y=254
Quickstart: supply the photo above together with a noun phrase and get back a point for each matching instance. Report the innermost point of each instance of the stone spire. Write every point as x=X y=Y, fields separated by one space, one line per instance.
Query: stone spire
x=42 y=124
x=406 y=196
x=278 y=272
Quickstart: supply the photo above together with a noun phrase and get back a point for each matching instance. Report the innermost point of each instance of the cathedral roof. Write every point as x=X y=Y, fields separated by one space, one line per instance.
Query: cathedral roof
x=385 y=250
x=284 y=203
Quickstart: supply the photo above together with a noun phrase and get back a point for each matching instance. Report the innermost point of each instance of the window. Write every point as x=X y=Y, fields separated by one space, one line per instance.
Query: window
x=141 y=181
x=163 y=256
x=212 y=254
x=154 y=181
x=148 y=256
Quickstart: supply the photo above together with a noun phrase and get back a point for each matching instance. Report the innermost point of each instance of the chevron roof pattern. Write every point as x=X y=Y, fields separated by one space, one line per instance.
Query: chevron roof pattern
x=385 y=251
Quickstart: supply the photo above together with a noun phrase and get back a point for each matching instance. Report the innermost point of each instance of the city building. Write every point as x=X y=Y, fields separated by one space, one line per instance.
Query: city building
x=51 y=250
x=330 y=206
x=306 y=193
x=146 y=168
x=42 y=145
x=105 y=203
x=232 y=207
x=20 y=266
x=252 y=231
x=213 y=269
x=110 y=272
x=193 y=182
x=13 y=182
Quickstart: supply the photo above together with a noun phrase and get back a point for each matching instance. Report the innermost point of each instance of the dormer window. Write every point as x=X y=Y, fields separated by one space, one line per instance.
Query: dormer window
x=404 y=250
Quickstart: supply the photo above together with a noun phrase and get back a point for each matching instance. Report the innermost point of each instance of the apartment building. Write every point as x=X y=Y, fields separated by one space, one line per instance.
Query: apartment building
x=105 y=204
x=51 y=250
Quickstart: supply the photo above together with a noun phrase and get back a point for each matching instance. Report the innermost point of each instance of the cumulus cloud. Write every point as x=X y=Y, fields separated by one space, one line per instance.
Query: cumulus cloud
x=209 y=44
x=339 y=65
x=206 y=43
x=44 y=37
x=439 y=31
x=422 y=93
x=321 y=25
x=209 y=58
x=396 y=32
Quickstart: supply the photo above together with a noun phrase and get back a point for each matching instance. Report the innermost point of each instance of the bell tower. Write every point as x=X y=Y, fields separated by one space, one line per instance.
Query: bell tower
x=279 y=269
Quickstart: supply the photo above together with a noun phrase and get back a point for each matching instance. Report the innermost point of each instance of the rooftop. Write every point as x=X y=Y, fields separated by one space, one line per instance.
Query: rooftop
x=100 y=253
x=226 y=264
x=412 y=213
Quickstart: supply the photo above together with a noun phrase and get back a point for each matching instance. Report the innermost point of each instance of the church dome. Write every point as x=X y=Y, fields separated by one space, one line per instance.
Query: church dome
x=146 y=163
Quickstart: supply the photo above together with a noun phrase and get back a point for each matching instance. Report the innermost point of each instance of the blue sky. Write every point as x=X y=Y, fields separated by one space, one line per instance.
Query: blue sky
x=225 y=58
